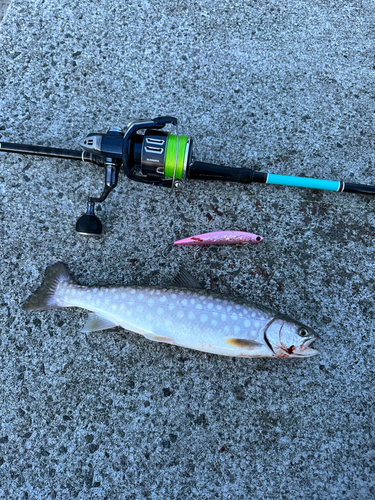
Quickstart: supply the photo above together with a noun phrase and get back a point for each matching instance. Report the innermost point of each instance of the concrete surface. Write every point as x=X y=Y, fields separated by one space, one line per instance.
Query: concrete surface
x=287 y=87
x=4 y=4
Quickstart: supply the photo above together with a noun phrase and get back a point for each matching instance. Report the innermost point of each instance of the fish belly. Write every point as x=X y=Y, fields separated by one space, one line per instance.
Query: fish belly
x=188 y=318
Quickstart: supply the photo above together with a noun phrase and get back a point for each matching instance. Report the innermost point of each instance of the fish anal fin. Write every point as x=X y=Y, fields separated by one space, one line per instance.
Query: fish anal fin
x=95 y=322
x=244 y=343
x=158 y=338
x=185 y=280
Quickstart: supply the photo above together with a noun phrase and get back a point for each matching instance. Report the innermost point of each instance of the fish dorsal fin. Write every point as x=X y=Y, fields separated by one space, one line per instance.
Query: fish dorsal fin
x=95 y=323
x=185 y=280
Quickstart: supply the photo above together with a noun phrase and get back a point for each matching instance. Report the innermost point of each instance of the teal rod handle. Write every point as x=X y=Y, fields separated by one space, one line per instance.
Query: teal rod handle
x=305 y=182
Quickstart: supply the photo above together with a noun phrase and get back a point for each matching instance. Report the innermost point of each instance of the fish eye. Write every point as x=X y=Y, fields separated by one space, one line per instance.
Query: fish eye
x=302 y=332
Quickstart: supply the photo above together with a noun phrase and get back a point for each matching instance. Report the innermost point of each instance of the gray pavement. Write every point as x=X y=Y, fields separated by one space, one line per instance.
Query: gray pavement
x=286 y=87
x=4 y=4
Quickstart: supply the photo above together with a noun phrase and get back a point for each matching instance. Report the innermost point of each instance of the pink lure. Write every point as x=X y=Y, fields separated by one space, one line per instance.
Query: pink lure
x=221 y=238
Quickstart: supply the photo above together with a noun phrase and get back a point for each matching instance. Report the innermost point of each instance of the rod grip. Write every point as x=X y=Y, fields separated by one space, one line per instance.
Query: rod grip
x=209 y=171
x=27 y=149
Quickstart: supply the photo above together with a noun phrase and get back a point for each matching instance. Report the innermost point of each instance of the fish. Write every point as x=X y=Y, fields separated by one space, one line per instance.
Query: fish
x=183 y=314
x=221 y=238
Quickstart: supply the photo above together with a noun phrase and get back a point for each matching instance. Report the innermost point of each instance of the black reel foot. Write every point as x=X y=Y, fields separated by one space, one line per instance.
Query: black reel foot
x=89 y=224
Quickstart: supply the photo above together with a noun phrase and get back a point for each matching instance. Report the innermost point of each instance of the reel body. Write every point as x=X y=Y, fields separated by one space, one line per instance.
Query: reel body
x=152 y=157
x=155 y=156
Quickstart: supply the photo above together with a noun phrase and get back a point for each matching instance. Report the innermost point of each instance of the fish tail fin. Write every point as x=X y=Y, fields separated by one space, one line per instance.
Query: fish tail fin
x=44 y=297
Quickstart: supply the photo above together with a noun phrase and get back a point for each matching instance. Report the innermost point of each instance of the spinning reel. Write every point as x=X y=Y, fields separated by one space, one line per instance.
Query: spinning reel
x=154 y=157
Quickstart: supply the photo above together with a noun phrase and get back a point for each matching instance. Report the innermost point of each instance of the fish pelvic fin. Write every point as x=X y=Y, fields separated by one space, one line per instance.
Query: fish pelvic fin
x=44 y=297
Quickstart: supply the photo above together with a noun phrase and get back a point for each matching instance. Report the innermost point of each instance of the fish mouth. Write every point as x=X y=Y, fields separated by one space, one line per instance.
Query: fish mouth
x=304 y=351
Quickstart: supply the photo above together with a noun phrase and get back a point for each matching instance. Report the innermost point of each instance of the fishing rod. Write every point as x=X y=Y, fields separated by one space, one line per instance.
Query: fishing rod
x=154 y=156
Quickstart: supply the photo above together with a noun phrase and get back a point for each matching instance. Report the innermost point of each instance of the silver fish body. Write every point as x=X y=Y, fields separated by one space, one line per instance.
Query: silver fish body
x=187 y=317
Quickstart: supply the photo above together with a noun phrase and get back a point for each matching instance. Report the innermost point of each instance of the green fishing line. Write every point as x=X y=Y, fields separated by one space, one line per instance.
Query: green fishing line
x=170 y=156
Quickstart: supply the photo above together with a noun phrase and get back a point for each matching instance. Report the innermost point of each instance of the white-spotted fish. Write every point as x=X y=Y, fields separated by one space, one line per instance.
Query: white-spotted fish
x=183 y=314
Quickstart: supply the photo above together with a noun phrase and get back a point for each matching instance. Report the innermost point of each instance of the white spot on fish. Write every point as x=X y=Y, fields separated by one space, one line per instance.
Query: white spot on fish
x=180 y=314
x=184 y=302
x=219 y=306
x=100 y=293
x=247 y=323
x=116 y=297
x=213 y=322
x=256 y=324
x=204 y=318
x=160 y=311
x=192 y=301
x=173 y=296
x=123 y=295
x=150 y=302
x=223 y=317
x=140 y=296
x=132 y=291
x=229 y=308
x=209 y=305
x=253 y=315
x=236 y=329
x=253 y=332
x=162 y=299
x=199 y=306
x=131 y=302
x=226 y=329
x=171 y=307
x=191 y=315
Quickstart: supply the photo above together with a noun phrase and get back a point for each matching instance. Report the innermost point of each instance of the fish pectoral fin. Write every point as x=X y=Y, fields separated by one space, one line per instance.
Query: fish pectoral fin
x=244 y=343
x=185 y=280
x=95 y=323
x=158 y=338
